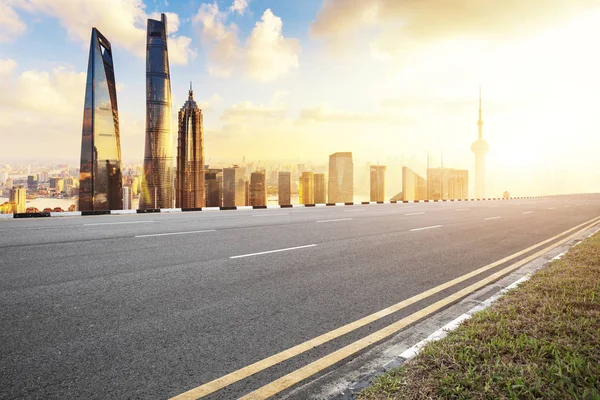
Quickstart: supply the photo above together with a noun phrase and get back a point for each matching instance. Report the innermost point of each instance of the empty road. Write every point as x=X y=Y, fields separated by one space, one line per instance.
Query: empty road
x=149 y=306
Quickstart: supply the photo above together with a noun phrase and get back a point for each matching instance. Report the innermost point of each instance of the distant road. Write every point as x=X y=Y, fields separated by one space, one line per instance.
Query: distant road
x=150 y=306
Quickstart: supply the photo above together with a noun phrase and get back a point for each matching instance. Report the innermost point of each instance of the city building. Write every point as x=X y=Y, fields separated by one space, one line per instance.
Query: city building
x=190 y=156
x=43 y=176
x=284 y=188
x=57 y=185
x=158 y=179
x=307 y=188
x=414 y=187
x=377 y=181
x=447 y=184
x=480 y=148
x=17 y=197
x=234 y=186
x=32 y=183
x=213 y=179
x=100 y=183
x=320 y=191
x=341 y=178
x=127 y=198
x=257 y=189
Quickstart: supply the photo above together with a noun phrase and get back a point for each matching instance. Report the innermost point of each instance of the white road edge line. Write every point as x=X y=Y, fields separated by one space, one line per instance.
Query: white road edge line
x=527 y=212
x=174 y=233
x=463 y=209
x=452 y=325
x=118 y=223
x=273 y=251
x=335 y=220
x=427 y=227
x=487 y=219
x=551 y=208
x=417 y=213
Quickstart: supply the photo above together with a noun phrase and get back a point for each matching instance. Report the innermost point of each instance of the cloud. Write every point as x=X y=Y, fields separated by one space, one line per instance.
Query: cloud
x=266 y=55
x=326 y=113
x=210 y=104
x=123 y=22
x=401 y=23
x=270 y=54
x=239 y=6
x=247 y=111
x=11 y=25
x=7 y=66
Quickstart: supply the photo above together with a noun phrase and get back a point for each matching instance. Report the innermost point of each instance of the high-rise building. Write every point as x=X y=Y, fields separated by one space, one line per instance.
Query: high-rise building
x=17 y=197
x=480 y=148
x=284 y=188
x=43 y=177
x=157 y=183
x=234 y=186
x=258 y=189
x=307 y=188
x=100 y=183
x=377 y=173
x=190 y=156
x=320 y=192
x=447 y=183
x=32 y=183
x=341 y=178
x=127 y=198
x=414 y=187
x=213 y=179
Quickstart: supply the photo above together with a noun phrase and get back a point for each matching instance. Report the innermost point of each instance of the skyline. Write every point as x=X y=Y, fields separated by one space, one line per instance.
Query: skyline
x=437 y=111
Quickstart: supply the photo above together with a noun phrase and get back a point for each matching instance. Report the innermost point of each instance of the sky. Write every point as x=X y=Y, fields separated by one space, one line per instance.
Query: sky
x=389 y=80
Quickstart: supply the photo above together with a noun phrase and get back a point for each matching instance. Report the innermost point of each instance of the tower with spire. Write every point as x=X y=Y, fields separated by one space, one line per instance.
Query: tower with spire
x=480 y=148
x=189 y=186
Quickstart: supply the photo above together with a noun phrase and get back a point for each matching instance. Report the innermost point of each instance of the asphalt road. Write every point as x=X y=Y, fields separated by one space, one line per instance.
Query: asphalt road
x=150 y=305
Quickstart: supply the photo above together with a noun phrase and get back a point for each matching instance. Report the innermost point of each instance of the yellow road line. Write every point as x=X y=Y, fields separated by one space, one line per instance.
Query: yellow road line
x=305 y=372
x=245 y=372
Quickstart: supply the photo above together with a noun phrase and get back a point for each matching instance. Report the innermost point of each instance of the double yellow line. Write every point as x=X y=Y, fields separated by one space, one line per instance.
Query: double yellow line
x=298 y=375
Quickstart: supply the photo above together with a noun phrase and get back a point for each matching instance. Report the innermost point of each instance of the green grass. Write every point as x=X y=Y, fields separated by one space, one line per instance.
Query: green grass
x=541 y=340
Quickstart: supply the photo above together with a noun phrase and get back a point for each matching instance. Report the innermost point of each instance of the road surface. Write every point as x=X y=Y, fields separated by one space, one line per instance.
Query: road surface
x=150 y=306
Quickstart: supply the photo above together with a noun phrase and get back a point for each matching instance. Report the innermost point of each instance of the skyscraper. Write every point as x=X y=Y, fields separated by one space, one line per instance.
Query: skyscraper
x=320 y=193
x=213 y=179
x=480 y=148
x=377 y=173
x=157 y=183
x=100 y=183
x=17 y=197
x=258 y=189
x=190 y=156
x=234 y=186
x=414 y=187
x=307 y=188
x=284 y=188
x=341 y=178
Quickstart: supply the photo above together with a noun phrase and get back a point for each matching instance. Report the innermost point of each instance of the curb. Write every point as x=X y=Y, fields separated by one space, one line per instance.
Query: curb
x=44 y=214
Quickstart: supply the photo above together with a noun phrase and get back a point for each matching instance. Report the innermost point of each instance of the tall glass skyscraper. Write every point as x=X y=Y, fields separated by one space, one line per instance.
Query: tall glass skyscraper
x=100 y=186
x=190 y=156
x=158 y=184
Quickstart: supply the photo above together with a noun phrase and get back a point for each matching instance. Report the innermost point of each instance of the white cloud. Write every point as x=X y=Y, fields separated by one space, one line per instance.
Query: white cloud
x=123 y=22
x=7 y=66
x=266 y=55
x=326 y=113
x=11 y=25
x=270 y=55
x=211 y=103
x=239 y=6
x=399 y=25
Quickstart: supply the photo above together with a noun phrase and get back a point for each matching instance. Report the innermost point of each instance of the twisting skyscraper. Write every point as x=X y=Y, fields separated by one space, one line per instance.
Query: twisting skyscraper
x=158 y=185
x=190 y=156
x=100 y=186
x=480 y=148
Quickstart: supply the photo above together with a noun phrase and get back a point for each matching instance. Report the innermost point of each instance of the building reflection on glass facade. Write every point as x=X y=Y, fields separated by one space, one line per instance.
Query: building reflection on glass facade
x=100 y=170
x=158 y=183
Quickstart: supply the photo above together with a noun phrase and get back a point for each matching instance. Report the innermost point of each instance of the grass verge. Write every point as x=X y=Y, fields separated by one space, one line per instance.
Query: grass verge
x=541 y=340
